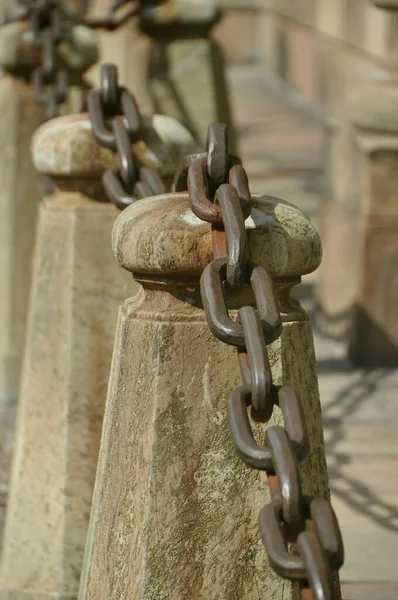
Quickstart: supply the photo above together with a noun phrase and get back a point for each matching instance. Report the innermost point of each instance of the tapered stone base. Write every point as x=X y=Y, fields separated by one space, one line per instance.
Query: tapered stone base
x=77 y=289
x=175 y=512
x=21 y=190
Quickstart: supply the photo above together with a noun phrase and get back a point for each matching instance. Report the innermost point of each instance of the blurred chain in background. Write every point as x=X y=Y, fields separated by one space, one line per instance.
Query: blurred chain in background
x=50 y=27
x=48 y=31
x=51 y=22
x=116 y=123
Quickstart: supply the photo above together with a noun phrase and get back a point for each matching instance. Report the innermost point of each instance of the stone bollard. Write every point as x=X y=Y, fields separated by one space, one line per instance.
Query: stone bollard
x=373 y=337
x=174 y=59
x=20 y=195
x=357 y=288
x=175 y=512
x=186 y=62
x=76 y=291
x=126 y=48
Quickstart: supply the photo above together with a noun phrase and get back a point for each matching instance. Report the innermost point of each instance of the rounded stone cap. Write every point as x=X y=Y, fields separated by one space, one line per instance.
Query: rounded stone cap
x=17 y=50
x=65 y=147
x=161 y=237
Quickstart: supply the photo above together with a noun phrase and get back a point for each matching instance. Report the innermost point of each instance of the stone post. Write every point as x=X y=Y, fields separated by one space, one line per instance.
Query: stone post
x=175 y=512
x=76 y=291
x=359 y=278
x=164 y=70
x=181 y=69
x=374 y=334
x=354 y=286
x=129 y=50
x=21 y=185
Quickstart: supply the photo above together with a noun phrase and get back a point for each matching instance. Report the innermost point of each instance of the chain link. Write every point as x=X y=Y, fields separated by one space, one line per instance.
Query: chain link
x=117 y=124
x=219 y=193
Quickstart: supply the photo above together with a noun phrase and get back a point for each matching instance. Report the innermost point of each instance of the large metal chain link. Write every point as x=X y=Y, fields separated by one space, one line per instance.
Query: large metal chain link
x=219 y=193
x=117 y=124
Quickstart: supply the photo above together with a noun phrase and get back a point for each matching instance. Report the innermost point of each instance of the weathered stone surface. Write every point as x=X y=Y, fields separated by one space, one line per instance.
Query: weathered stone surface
x=18 y=52
x=15 y=50
x=128 y=50
x=375 y=170
x=365 y=123
x=339 y=275
x=372 y=107
x=20 y=194
x=76 y=292
x=186 y=69
x=357 y=276
x=368 y=206
x=70 y=149
x=7 y=426
x=374 y=335
x=174 y=511
x=19 y=198
x=281 y=238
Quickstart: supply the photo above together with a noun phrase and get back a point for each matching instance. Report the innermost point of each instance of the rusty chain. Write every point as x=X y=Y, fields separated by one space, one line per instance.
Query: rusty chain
x=219 y=193
x=47 y=20
x=117 y=124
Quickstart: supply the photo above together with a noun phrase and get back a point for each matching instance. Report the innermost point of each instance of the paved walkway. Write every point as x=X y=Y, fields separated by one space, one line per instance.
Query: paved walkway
x=281 y=145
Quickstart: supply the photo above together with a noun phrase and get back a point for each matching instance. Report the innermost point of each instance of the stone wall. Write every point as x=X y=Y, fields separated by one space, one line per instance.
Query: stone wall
x=319 y=48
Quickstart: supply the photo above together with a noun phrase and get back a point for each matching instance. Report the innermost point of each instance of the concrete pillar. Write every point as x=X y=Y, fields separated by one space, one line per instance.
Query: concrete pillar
x=76 y=291
x=174 y=511
x=21 y=185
